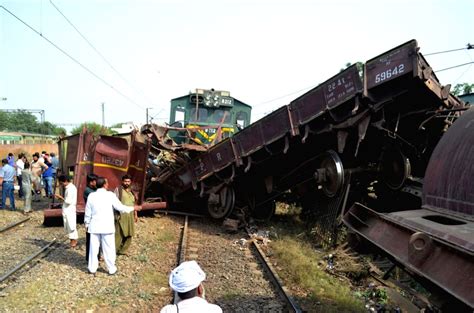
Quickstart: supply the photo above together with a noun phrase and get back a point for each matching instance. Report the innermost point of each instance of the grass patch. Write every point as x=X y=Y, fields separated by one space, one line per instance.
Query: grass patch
x=301 y=269
x=231 y=295
x=145 y=295
x=154 y=278
x=165 y=236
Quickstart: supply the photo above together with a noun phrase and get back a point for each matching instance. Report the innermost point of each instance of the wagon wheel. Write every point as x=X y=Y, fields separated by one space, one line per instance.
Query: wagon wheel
x=221 y=204
x=334 y=174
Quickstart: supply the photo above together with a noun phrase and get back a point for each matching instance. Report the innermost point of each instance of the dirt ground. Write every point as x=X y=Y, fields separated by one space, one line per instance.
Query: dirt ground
x=60 y=280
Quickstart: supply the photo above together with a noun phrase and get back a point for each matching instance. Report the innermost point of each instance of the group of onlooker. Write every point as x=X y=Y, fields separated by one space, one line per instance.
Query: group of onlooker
x=29 y=177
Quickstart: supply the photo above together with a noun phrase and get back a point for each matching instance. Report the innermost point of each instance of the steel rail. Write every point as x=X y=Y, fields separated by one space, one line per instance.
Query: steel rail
x=166 y=212
x=26 y=261
x=275 y=278
x=182 y=251
x=13 y=224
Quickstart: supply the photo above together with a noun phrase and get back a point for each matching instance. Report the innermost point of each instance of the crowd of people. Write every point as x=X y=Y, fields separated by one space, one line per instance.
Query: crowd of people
x=32 y=176
x=109 y=219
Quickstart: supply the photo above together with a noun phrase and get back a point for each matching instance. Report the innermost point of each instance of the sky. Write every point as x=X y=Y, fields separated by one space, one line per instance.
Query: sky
x=265 y=52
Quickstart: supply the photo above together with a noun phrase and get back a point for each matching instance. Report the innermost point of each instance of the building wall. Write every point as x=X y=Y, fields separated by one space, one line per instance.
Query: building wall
x=28 y=149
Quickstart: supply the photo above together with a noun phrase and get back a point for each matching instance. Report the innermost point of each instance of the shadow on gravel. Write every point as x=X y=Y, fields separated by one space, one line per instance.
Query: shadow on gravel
x=237 y=303
x=63 y=254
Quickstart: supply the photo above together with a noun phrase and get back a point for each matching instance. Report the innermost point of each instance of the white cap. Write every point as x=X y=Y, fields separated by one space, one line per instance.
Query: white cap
x=187 y=276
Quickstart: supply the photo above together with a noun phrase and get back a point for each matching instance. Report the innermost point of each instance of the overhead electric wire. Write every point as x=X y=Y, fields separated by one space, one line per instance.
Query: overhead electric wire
x=468 y=47
x=101 y=55
x=72 y=58
x=287 y=95
x=448 y=68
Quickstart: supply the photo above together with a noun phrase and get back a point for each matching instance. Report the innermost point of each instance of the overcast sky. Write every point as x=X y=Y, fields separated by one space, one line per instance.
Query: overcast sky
x=258 y=50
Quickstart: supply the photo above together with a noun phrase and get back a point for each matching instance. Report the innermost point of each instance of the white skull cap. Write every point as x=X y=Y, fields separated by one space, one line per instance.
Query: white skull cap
x=187 y=276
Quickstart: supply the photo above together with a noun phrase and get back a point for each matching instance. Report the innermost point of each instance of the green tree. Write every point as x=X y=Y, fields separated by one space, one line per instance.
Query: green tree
x=94 y=128
x=24 y=121
x=462 y=89
x=4 y=121
x=359 y=65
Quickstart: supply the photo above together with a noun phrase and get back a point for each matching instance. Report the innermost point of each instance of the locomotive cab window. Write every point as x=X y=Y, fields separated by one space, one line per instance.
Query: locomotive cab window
x=201 y=115
x=241 y=119
x=219 y=115
x=178 y=117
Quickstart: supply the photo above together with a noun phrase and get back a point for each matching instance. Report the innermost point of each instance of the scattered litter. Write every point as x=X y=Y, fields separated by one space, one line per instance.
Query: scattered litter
x=261 y=235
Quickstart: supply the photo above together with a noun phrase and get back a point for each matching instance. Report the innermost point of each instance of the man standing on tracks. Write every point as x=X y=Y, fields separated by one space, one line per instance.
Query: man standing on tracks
x=125 y=222
x=69 y=208
x=99 y=221
x=37 y=168
x=20 y=165
x=90 y=188
x=7 y=177
x=187 y=280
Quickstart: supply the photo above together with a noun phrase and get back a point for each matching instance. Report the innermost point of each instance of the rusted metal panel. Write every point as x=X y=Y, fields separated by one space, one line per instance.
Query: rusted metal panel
x=249 y=139
x=342 y=87
x=395 y=63
x=339 y=90
x=276 y=125
x=137 y=167
x=202 y=166
x=418 y=248
x=308 y=106
x=111 y=159
x=448 y=183
x=222 y=155
x=340 y=93
x=153 y=205
x=77 y=150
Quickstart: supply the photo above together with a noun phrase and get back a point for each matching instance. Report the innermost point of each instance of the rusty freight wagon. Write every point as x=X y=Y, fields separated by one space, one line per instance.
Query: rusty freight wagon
x=360 y=140
x=107 y=156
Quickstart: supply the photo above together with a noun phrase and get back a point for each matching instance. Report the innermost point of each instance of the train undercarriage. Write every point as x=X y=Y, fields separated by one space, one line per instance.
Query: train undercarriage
x=362 y=148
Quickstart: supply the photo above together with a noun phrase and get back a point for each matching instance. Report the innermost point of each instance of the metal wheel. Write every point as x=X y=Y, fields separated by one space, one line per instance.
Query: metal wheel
x=221 y=204
x=395 y=168
x=334 y=174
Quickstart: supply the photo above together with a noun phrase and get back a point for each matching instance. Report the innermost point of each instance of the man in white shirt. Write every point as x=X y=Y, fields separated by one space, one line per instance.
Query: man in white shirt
x=69 y=208
x=99 y=222
x=187 y=280
x=20 y=165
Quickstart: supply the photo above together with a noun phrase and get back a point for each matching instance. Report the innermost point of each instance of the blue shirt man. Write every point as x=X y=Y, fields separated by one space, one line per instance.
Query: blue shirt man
x=55 y=162
x=7 y=176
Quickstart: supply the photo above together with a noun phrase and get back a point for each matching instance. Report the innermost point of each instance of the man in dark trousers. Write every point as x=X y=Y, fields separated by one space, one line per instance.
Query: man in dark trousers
x=90 y=188
x=125 y=222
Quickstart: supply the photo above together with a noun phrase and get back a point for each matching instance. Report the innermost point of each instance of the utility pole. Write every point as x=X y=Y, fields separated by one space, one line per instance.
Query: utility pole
x=103 y=114
x=147 y=119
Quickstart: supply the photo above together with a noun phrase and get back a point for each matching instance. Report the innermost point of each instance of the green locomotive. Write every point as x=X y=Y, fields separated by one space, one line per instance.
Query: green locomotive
x=210 y=115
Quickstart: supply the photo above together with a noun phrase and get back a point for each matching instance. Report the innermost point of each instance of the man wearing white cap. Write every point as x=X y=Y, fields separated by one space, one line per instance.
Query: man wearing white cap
x=186 y=280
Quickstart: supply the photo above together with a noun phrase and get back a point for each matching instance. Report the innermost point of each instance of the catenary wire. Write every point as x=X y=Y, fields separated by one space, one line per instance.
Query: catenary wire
x=72 y=58
x=468 y=47
x=455 y=66
x=101 y=55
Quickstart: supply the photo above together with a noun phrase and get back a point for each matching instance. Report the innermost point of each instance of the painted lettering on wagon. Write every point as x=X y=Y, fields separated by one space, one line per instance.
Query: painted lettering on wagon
x=112 y=161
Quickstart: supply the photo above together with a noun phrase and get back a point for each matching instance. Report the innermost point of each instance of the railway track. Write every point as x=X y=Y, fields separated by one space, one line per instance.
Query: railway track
x=239 y=277
x=14 y=224
x=21 y=243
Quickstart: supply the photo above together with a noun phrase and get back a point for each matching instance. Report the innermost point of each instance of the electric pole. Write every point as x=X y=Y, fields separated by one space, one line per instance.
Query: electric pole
x=103 y=114
x=147 y=119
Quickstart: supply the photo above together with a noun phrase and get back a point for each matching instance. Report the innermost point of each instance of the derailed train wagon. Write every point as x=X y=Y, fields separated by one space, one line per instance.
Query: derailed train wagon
x=361 y=140
x=107 y=156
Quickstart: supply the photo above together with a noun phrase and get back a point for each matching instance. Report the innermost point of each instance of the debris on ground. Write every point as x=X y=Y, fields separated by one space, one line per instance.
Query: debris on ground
x=231 y=225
